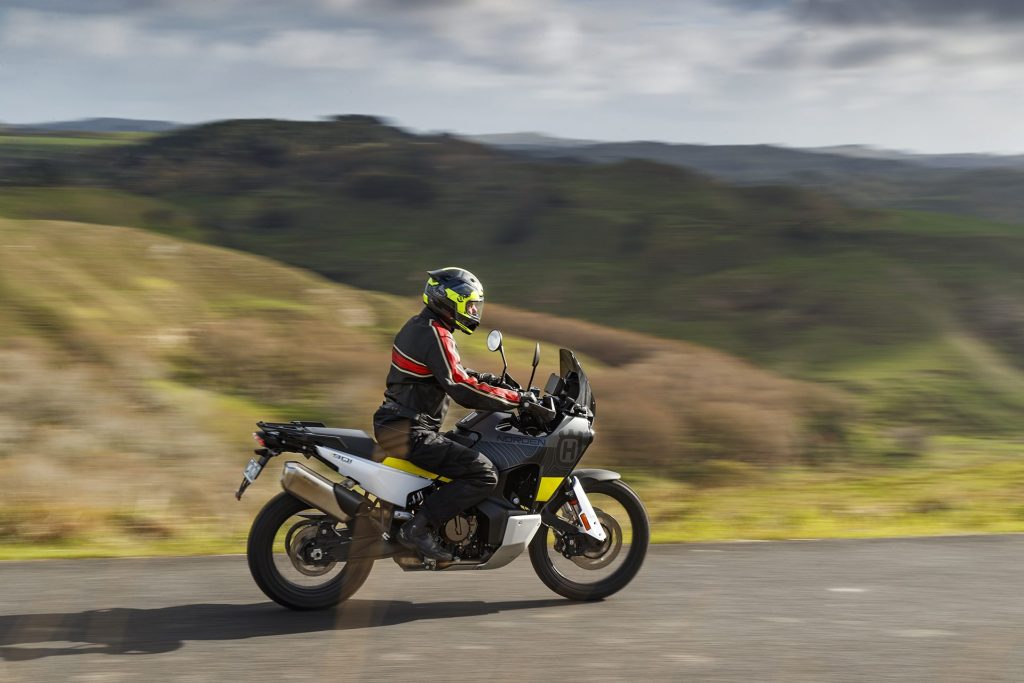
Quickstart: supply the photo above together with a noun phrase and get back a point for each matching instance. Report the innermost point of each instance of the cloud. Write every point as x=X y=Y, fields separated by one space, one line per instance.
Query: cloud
x=97 y=36
x=949 y=13
x=555 y=48
x=304 y=49
x=755 y=62
x=875 y=51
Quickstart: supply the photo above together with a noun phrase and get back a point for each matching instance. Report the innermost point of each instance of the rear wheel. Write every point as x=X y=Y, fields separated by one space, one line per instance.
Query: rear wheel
x=580 y=567
x=290 y=556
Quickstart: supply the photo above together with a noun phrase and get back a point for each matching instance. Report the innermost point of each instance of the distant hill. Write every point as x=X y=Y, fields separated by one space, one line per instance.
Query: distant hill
x=918 y=313
x=706 y=153
x=954 y=161
x=102 y=125
x=986 y=186
x=745 y=163
x=516 y=140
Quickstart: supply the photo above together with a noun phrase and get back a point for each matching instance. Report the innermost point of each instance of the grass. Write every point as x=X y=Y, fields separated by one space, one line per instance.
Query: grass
x=47 y=141
x=99 y=206
x=962 y=486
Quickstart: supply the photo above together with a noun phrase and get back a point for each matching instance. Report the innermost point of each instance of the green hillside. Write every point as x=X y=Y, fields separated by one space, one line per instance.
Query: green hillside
x=133 y=367
x=917 y=314
x=980 y=186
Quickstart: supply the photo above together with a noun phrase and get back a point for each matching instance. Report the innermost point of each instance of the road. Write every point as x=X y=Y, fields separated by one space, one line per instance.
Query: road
x=942 y=609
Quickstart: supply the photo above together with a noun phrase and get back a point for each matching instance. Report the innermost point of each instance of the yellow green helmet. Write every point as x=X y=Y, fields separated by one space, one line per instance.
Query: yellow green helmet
x=456 y=296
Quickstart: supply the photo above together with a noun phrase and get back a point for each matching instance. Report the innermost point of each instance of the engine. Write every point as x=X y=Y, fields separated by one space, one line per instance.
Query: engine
x=459 y=533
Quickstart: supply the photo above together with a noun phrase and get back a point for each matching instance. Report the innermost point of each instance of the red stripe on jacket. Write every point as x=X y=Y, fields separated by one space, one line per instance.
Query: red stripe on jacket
x=408 y=365
x=459 y=374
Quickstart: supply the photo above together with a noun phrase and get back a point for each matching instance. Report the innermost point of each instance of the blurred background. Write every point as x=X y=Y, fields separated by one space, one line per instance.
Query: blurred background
x=785 y=238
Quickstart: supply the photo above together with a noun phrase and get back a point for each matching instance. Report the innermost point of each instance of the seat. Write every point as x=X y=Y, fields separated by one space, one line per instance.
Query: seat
x=354 y=441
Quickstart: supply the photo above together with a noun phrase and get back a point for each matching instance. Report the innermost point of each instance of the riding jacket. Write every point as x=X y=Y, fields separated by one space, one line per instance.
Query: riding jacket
x=426 y=371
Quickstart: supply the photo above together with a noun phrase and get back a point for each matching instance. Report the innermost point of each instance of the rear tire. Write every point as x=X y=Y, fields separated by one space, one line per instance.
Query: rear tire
x=265 y=529
x=540 y=552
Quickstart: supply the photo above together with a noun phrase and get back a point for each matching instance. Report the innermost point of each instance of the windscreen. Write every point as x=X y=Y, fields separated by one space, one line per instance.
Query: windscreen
x=576 y=382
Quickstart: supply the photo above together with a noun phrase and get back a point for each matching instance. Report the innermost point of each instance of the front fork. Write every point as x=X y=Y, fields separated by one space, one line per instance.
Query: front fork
x=585 y=519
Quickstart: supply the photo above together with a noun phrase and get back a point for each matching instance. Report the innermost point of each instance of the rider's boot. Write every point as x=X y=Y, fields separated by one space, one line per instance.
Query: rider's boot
x=415 y=535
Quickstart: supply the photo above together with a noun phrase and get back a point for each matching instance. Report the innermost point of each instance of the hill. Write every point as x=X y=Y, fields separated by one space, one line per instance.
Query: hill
x=982 y=186
x=133 y=366
x=102 y=125
x=961 y=160
x=916 y=313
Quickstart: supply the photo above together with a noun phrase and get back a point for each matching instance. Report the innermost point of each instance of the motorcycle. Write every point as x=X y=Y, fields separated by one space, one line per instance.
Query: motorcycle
x=314 y=544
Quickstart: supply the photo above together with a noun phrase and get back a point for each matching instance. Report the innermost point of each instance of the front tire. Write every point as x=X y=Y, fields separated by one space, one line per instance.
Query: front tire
x=576 y=584
x=270 y=569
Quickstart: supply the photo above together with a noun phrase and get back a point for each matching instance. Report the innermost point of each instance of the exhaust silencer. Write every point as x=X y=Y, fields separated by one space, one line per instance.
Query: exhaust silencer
x=322 y=493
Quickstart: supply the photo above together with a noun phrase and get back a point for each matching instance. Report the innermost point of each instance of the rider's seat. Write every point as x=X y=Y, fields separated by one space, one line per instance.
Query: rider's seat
x=354 y=441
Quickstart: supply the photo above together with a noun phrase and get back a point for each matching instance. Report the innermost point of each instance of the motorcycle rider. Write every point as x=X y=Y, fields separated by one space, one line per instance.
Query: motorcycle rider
x=425 y=372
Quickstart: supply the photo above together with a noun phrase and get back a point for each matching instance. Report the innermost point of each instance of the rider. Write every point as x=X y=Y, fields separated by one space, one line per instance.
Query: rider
x=425 y=371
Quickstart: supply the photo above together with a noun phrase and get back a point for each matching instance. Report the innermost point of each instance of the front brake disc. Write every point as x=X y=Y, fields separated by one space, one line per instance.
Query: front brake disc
x=601 y=553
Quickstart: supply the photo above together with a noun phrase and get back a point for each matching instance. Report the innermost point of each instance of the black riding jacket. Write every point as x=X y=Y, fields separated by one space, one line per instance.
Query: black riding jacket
x=426 y=370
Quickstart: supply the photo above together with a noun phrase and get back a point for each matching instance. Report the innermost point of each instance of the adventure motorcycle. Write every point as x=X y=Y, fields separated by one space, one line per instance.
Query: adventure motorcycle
x=313 y=545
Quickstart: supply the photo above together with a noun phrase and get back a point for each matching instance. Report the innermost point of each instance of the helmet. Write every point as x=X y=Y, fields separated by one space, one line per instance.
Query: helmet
x=456 y=296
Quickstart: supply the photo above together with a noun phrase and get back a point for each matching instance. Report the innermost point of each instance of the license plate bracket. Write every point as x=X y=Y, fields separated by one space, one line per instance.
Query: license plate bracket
x=252 y=470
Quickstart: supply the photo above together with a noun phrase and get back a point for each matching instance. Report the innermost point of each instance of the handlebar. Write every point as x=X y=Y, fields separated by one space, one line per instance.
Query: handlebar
x=540 y=410
x=535 y=415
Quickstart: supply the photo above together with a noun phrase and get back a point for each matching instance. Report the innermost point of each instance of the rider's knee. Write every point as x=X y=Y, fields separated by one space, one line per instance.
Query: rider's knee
x=487 y=474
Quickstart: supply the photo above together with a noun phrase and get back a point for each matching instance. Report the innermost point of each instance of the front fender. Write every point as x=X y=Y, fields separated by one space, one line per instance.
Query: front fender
x=557 y=494
x=589 y=475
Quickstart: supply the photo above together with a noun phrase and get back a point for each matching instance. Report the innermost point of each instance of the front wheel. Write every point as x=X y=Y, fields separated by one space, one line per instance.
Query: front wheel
x=578 y=566
x=290 y=558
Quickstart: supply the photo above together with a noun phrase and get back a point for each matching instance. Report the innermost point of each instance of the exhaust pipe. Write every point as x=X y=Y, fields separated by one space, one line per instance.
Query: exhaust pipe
x=322 y=493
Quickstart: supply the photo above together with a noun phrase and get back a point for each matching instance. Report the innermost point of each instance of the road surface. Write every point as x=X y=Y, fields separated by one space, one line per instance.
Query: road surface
x=942 y=609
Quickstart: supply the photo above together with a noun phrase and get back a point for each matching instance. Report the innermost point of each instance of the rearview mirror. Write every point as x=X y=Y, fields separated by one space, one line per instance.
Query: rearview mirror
x=494 y=340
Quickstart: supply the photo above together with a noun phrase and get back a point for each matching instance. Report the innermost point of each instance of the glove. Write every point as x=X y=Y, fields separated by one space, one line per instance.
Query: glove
x=488 y=378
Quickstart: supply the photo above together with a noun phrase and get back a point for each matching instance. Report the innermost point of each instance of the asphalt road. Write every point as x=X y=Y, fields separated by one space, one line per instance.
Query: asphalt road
x=944 y=609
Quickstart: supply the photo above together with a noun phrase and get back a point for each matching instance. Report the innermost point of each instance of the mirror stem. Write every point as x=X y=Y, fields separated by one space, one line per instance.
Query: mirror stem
x=536 y=362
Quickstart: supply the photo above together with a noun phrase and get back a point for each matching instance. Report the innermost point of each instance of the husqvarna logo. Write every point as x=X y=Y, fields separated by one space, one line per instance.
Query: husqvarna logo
x=569 y=448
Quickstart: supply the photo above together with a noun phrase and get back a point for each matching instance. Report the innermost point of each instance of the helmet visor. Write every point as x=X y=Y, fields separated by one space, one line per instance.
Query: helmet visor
x=475 y=309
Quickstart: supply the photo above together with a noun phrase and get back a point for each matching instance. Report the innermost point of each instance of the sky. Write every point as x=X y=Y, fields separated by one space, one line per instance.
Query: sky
x=921 y=75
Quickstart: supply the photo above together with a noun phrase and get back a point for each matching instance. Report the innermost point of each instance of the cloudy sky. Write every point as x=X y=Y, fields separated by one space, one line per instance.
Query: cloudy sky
x=926 y=75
